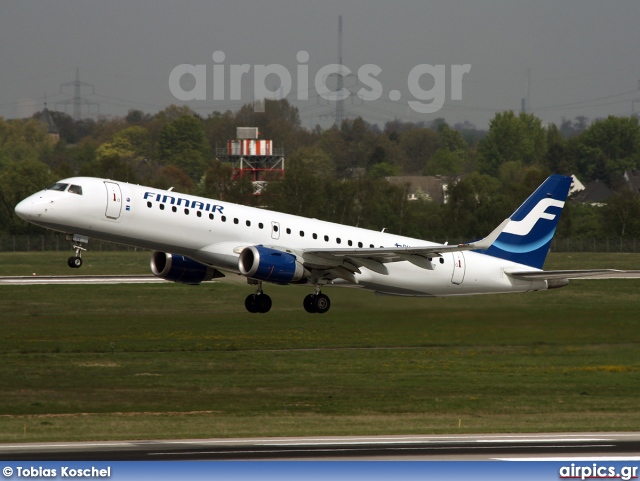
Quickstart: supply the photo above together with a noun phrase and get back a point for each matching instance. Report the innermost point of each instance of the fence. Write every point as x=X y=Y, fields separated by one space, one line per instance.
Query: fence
x=29 y=243
x=610 y=244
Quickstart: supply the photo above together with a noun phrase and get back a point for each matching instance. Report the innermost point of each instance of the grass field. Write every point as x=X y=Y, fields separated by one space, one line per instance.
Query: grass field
x=173 y=361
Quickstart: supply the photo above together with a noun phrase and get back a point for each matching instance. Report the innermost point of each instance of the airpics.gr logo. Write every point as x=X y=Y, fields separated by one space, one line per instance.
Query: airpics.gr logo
x=423 y=101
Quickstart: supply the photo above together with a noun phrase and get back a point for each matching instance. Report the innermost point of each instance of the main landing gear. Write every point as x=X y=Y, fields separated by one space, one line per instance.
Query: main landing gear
x=75 y=262
x=261 y=303
x=258 y=302
x=316 y=303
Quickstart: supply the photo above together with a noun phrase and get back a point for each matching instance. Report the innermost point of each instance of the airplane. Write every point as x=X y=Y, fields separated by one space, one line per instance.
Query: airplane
x=195 y=239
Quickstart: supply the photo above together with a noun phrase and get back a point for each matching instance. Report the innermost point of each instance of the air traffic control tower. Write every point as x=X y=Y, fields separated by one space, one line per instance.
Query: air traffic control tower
x=253 y=158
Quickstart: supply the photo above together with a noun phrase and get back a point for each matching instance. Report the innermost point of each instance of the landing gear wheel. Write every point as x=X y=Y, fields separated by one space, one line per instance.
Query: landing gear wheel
x=321 y=303
x=250 y=303
x=74 y=262
x=309 y=304
x=258 y=303
x=263 y=303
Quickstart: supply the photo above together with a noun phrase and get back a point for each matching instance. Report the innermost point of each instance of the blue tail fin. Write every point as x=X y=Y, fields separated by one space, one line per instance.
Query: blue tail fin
x=527 y=236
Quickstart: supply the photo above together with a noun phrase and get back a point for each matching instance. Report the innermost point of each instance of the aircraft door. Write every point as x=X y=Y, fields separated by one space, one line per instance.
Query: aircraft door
x=458 y=268
x=275 y=230
x=114 y=200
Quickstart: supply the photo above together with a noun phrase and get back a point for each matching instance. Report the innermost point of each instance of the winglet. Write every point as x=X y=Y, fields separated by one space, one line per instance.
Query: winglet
x=484 y=244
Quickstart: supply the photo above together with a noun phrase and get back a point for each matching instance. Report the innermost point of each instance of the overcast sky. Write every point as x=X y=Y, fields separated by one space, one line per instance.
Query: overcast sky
x=583 y=55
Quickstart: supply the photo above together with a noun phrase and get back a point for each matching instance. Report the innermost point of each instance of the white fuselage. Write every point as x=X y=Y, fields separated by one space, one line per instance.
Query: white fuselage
x=214 y=232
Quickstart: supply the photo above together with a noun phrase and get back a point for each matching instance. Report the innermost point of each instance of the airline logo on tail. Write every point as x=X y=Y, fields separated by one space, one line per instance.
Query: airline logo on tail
x=525 y=226
x=526 y=239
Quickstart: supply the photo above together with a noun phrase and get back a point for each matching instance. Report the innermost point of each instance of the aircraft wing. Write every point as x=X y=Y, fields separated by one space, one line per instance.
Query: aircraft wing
x=375 y=258
x=574 y=274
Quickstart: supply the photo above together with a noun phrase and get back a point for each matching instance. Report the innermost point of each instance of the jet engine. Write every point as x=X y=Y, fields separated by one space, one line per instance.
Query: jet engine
x=177 y=268
x=270 y=265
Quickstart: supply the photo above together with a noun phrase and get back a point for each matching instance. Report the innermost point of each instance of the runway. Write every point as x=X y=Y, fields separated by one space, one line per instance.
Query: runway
x=151 y=279
x=45 y=280
x=573 y=446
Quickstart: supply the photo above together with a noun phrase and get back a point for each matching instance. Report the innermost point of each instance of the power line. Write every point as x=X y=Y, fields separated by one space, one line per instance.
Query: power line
x=77 y=101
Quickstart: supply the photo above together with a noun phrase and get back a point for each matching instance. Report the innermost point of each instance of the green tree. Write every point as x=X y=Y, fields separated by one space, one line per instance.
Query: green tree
x=218 y=183
x=419 y=145
x=19 y=180
x=23 y=141
x=171 y=176
x=621 y=214
x=352 y=147
x=382 y=170
x=445 y=162
x=125 y=156
x=609 y=147
x=511 y=138
x=476 y=205
x=303 y=191
x=558 y=158
x=183 y=143
x=450 y=139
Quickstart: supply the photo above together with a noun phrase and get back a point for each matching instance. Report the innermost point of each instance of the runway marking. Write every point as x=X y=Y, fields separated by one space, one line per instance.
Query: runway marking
x=81 y=279
x=341 y=441
x=463 y=438
x=352 y=450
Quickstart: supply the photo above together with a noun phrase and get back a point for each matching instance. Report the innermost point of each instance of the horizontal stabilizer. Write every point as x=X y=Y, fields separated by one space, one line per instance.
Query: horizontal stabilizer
x=574 y=274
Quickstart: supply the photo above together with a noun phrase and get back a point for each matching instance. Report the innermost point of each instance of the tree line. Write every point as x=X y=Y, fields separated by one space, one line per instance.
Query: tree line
x=340 y=174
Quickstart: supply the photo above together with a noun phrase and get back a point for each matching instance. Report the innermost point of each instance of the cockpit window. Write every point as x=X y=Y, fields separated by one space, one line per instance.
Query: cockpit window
x=58 y=186
x=75 y=189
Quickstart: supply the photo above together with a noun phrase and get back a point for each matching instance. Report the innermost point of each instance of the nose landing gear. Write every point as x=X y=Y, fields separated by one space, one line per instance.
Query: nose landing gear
x=75 y=262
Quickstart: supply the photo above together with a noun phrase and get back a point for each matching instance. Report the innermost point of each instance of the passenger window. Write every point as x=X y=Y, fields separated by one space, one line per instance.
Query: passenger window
x=301 y=233
x=338 y=240
x=186 y=211
x=211 y=216
x=260 y=225
x=359 y=244
x=315 y=236
x=174 y=209
x=288 y=231
x=326 y=238
x=235 y=220
x=149 y=204
x=199 y=214
x=350 y=243
x=161 y=206
x=248 y=223
x=75 y=189
x=223 y=218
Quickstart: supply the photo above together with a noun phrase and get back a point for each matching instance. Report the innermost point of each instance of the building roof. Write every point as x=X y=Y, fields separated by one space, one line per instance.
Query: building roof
x=595 y=192
x=47 y=120
x=423 y=186
x=633 y=178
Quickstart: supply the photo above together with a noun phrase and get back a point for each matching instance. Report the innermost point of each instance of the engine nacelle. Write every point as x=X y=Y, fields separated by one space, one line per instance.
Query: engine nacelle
x=177 y=268
x=271 y=265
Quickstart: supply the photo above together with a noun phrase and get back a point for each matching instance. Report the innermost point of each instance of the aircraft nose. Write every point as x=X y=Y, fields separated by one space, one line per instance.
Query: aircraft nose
x=26 y=209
